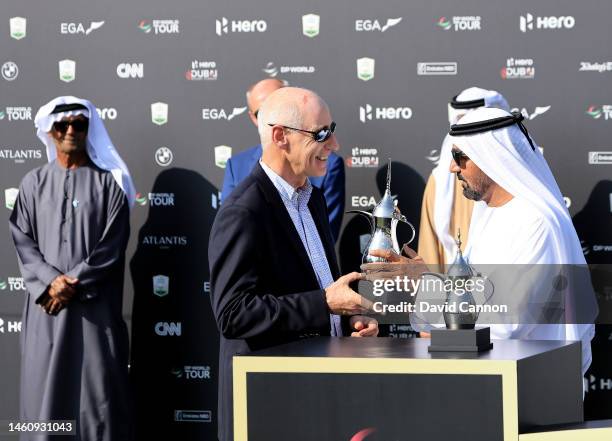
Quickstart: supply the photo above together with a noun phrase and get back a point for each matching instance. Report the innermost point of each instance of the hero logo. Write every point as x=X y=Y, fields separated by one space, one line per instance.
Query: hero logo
x=130 y=70
x=217 y=114
x=164 y=329
x=367 y=113
x=225 y=26
x=79 y=28
x=374 y=25
x=9 y=327
x=105 y=113
x=602 y=384
x=527 y=22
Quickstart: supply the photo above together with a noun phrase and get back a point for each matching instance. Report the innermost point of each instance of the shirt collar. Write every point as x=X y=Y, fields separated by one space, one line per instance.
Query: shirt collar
x=285 y=188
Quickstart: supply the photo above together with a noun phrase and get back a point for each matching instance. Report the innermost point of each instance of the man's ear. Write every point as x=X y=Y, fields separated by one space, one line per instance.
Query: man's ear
x=279 y=137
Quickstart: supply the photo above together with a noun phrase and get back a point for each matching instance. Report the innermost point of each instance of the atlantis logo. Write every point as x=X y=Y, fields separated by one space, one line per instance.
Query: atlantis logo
x=460 y=23
x=19 y=155
x=375 y=26
x=165 y=242
x=217 y=114
x=597 y=112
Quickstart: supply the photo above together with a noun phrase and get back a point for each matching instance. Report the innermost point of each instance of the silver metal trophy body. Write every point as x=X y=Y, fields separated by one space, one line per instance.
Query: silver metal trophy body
x=383 y=222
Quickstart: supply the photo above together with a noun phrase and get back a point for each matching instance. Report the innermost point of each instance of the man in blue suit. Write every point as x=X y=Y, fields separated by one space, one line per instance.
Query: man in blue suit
x=240 y=166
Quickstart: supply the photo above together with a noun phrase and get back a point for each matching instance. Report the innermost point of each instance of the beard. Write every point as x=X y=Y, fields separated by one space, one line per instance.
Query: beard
x=478 y=190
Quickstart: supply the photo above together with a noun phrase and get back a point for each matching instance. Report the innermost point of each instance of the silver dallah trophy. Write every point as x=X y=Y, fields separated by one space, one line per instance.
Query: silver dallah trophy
x=383 y=219
x=461 y=333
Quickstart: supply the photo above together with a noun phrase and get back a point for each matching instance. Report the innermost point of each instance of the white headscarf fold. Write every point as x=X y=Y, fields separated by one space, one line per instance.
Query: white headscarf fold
x=100 y=148
x=444 y=179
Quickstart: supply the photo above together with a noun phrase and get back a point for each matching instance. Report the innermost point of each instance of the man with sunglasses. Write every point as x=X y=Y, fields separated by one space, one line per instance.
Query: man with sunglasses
x=70 y=226
x=444 y=210
x=238 y=167
x=522 y=236
x=273 y=270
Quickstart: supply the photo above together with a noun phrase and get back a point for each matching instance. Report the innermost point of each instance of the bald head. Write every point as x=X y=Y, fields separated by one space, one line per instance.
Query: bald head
x=258 y=93
x=289 y=106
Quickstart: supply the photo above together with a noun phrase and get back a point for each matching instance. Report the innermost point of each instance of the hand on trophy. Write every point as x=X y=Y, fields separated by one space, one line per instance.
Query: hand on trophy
x=342 y=300
x=396 y=265
x=363 y=326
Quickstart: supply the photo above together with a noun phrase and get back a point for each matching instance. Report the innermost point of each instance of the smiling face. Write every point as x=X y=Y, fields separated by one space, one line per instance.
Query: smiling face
x=70 y=138
x=307 y=156
x=476 y=184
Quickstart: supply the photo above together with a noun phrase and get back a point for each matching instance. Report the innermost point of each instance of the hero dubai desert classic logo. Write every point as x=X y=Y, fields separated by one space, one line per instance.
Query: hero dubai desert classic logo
x=159 y=26
x=528 y=22
x=369 y=25
x=597 y=112
x=79 y=28
x=202 y=70
x=272 y=71
x=9 y=70
x=161 y=285
x=539 y=110
x=159 y=113
x=460 y=23
x=222 y=154
x=365 y=68
x=18 y=27
x=67 y=70
x=12 y=284
x=310 y=25
x=521 y=68
x=10 y=197
x=16 y=114
x=225 y=26
x=221 y=114
x=362 y=158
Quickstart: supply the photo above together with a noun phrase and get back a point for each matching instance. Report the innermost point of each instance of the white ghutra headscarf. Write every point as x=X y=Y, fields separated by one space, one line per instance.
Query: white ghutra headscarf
x=100 y=148
x=466 y=102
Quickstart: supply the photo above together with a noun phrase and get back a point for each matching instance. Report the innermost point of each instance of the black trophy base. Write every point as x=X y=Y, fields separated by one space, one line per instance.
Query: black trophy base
x=460 y=340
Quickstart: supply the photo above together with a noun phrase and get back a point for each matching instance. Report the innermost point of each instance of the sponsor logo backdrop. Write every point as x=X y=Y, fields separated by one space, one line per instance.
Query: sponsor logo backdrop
x=169 y=81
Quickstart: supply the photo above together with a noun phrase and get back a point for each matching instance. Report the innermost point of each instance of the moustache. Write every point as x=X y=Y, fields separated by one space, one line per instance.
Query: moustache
x=460 y=177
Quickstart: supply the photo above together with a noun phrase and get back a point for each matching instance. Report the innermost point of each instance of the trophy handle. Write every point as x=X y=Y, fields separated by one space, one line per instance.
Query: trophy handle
x=401 y=218
x=368 y=215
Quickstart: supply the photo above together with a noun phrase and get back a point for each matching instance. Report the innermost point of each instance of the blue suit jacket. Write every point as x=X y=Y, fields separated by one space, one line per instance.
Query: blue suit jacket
x=240 y=166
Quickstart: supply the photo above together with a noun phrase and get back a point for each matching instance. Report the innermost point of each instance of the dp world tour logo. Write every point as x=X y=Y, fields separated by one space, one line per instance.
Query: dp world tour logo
x=444 y=23
x=594 y=112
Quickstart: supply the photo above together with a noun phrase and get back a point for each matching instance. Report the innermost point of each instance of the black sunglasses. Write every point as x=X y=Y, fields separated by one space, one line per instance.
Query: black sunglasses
x=458 y=155
x=78 y=125
x=321 y=135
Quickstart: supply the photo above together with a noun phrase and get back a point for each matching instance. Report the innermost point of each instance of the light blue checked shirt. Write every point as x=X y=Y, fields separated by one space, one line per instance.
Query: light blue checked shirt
x=296 y=202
